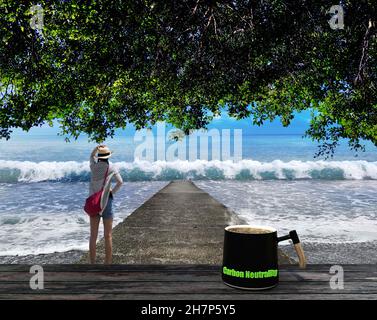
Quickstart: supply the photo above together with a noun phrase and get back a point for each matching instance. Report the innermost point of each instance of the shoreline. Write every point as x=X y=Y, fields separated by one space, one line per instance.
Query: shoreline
x=65 y=257
x=317 y=253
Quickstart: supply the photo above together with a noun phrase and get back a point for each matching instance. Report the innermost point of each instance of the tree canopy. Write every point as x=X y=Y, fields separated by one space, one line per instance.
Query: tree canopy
x=98 y=65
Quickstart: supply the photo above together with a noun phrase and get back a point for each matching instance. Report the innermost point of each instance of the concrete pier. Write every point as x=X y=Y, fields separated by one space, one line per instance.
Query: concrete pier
x=180 y=224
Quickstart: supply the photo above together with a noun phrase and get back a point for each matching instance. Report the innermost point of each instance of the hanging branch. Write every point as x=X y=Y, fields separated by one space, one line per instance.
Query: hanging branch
x=364 y=54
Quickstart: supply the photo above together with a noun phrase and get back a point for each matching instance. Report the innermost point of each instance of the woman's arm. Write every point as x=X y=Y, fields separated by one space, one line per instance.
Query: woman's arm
x=92 y=155
x=119 y=182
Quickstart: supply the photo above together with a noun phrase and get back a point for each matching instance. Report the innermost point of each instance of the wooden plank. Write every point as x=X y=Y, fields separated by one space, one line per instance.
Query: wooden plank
x=179 y=282
x=196 y=276
x=178 y=296
x=111 y=268
x=159 y=287
x=178 y=267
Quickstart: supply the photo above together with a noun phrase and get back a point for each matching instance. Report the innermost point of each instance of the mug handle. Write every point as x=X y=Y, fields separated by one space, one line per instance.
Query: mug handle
x=298 y=247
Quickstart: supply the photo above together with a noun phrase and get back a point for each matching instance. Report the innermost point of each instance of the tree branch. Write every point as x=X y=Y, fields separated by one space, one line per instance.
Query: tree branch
x=364 y=54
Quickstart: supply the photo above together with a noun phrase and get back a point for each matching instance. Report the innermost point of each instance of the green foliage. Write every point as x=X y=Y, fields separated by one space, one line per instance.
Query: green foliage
x=98 y=65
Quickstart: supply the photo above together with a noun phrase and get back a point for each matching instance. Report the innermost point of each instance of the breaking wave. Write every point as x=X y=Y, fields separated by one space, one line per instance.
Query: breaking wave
x=72 y=171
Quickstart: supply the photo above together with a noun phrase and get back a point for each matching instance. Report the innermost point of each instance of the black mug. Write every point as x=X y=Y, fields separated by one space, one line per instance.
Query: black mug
x=250 y=256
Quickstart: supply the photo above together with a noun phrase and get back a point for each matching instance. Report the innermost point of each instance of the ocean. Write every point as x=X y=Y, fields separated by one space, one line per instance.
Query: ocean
x=44 y=183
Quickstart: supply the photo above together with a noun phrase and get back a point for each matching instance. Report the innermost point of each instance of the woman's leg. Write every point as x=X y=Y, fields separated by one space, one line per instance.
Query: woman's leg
x=108 y=233
x=94 y=224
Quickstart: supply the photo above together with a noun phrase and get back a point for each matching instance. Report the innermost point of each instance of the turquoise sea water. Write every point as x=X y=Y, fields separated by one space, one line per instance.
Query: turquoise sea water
x=44 y=182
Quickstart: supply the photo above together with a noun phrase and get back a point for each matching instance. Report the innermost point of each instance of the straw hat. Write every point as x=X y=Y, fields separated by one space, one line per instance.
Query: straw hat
x=103 y=152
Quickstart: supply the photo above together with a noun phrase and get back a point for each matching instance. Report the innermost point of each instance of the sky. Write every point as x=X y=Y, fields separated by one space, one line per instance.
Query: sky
x=298 y=126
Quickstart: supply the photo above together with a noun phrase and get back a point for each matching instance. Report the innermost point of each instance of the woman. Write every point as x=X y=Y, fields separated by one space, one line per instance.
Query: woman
x=99 y=169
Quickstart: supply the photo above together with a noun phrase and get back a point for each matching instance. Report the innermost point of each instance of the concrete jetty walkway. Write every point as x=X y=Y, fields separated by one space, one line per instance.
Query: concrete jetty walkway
x=180 y=224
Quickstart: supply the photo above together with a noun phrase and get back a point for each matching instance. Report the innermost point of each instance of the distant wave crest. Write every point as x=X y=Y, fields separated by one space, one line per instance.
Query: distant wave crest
x=71 y=171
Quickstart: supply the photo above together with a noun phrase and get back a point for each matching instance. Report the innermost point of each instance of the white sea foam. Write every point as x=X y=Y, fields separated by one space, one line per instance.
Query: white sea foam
x=48 y=217
x=26 y=171
x=320 y=211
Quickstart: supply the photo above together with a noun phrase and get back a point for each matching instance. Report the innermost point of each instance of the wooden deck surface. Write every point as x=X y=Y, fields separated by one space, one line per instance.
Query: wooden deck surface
x=194 y=282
